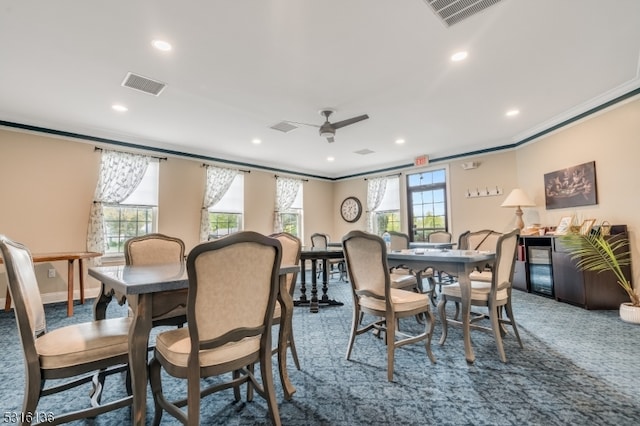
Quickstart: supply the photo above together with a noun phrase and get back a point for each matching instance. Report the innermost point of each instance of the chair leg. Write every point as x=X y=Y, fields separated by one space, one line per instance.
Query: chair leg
x=268 y=386
x=512 y=321
x=443 y=318
x=391 y=345
x=497 y=334
x=294 y=352
x=357 y=317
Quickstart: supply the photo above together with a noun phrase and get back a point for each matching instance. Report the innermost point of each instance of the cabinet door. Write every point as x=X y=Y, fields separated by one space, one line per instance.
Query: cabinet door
x=568 y=280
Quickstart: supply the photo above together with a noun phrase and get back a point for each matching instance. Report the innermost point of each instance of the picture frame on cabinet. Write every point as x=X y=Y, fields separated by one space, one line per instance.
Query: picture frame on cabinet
x=564 y=226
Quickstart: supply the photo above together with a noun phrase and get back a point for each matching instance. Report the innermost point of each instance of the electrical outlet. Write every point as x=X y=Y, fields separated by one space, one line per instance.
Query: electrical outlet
x=52 y=273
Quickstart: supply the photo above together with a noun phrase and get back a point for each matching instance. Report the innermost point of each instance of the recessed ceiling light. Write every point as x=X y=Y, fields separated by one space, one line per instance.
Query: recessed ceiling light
x=161 y=45
x=512 y=113
x=459 y=56
x=256 y=141
x=119 y=108
x=331 y=158
x=399 y=141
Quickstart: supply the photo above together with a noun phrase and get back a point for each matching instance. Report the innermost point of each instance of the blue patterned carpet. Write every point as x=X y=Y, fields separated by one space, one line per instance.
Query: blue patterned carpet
x=577 y=367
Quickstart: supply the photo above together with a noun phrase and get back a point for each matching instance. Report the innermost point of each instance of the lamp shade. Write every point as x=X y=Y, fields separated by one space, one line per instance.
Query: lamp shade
x=517 y=198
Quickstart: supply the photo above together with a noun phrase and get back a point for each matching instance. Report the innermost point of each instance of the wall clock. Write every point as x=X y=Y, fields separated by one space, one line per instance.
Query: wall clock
x=351 y=209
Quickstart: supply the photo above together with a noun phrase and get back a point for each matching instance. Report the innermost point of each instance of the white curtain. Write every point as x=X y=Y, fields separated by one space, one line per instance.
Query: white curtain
x=286 y=192
x=375 y=194
x=120 y=174
x=218 y=182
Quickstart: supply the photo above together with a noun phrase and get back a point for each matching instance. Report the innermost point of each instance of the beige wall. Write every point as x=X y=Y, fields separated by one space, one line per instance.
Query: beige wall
x=48 y=184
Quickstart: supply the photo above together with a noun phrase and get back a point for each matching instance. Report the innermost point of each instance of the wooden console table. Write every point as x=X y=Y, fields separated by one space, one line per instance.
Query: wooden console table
x=71 y=257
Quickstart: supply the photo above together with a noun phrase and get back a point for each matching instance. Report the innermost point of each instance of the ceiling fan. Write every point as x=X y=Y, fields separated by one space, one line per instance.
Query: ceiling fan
x=327 y=129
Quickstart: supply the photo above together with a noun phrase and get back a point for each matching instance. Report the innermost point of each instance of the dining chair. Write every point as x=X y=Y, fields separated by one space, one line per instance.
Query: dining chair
x=291 y=248
x=233 y=286
x=72 y=353
x=366 y=258
x=321 y=240
x=169 y=307
x=494 y=296
x=440 y=237
x=402 y=276
x=484 y=240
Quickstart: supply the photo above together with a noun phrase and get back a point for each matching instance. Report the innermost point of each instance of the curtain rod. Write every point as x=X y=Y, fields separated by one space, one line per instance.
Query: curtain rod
x=97 y=148
x=240 y=170
x=303 y=180
x=395 y=174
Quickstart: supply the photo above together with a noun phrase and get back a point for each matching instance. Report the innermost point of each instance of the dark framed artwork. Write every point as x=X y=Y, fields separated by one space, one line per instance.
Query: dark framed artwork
x=571 y=187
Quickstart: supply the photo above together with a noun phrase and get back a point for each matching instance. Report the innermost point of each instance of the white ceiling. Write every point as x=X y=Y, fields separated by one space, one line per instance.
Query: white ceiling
x=239 y=67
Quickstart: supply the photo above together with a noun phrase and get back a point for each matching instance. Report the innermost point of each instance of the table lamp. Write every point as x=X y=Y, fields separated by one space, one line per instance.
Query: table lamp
x=517 y=198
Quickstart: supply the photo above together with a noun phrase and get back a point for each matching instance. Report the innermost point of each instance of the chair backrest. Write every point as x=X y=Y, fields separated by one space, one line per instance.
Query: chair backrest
x=479 y=240
x=153 y=249
x=439 y=237
x=319 y=240
x=23 y=288
x=506 y=247
x=233 y=284
x=399 y=241
x=291 y=247
x=366 y=258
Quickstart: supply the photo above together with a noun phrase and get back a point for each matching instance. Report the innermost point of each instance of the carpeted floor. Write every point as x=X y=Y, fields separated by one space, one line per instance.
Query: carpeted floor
x=577 y=367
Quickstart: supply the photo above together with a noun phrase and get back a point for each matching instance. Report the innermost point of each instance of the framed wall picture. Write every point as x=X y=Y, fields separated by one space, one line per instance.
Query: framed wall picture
x=586 y=226
x=571 y=187
x=564 y=225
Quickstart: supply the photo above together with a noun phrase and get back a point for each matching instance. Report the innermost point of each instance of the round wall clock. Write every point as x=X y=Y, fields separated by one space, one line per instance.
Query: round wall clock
x=351 y=209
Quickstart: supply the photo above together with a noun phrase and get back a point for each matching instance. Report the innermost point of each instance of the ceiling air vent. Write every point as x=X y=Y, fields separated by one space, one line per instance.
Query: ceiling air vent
x=284 y=127
x=453 y=11
x=143 y=84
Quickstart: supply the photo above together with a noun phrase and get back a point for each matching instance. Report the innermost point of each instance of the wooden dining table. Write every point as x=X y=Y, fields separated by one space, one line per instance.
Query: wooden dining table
x=459 y=263
x=150 y=284
x=314 y=254
x=70 y=257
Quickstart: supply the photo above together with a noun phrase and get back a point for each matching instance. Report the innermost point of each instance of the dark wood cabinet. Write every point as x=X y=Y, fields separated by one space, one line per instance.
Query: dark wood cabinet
x=560 y=278
x=587 y=289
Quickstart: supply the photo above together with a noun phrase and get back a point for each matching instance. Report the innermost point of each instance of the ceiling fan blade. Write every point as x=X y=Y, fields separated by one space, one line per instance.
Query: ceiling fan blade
x=330 y=139
x=304 y=124
x=349 y=121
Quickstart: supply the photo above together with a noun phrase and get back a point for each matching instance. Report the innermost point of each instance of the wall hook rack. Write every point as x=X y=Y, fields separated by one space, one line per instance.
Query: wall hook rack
x=483 y=192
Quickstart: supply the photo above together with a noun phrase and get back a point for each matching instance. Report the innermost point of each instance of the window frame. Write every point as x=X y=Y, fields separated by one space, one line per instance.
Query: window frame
x=438 y=186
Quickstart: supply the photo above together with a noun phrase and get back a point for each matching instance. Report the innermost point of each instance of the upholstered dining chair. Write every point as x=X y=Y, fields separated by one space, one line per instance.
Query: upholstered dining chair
x=366 y=258
x=291 y=248
x=494 y=296
x=484 y=240
x=73 y=352
x=170 y=307
x=440 y=237
x=402 y=276
x=321 y=240
x=233 y=285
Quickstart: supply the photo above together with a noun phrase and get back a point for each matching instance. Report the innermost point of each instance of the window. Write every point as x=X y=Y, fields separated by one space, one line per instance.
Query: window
x=387 y=215
x=427 y=200
x=226 y=215
x=134 y=216
x=292 y=218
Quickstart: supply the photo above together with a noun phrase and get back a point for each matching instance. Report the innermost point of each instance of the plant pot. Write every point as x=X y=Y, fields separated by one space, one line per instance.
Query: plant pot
x=630 y=313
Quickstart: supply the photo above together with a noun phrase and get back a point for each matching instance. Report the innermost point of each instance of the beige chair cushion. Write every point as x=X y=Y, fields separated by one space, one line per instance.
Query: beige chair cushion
x=175 y=346
x=403 y=280
x=402 y=301
x=83 y=343
x=479 y=291
x=484 y=276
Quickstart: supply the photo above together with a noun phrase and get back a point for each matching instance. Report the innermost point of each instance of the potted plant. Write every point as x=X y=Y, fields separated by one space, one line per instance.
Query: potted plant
x=596 y=252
